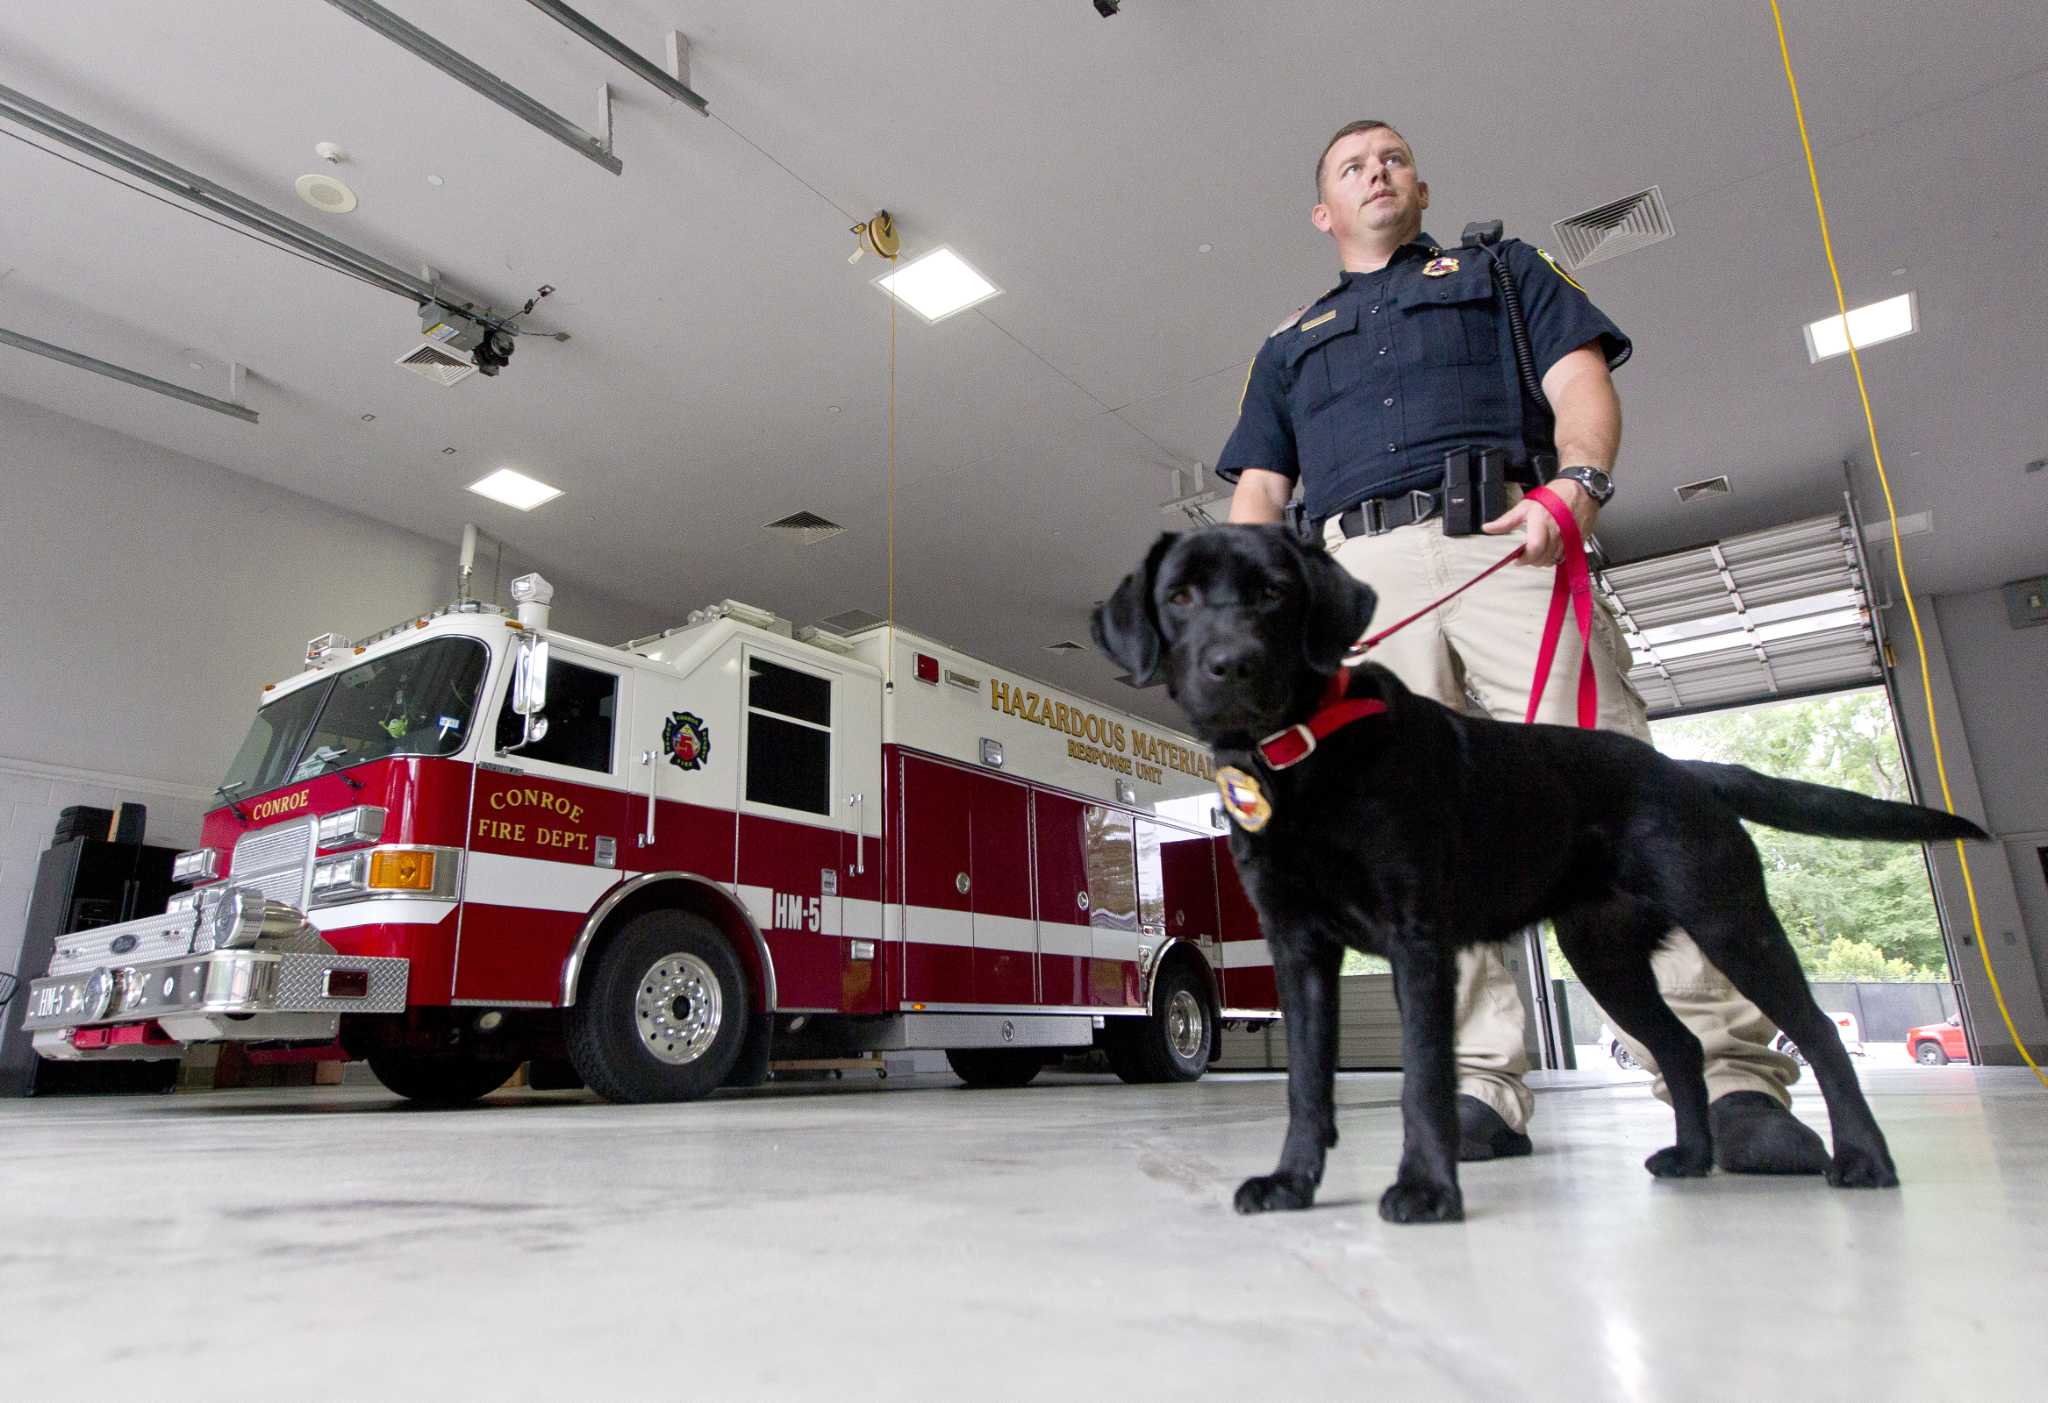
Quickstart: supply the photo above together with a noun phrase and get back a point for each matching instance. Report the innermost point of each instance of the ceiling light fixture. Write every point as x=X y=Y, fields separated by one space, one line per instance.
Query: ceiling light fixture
x=1869 y=325
x=515 y=490
x=938 y=284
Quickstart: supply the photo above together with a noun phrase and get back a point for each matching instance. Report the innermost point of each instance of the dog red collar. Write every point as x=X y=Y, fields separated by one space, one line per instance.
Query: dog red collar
x=1287 y=748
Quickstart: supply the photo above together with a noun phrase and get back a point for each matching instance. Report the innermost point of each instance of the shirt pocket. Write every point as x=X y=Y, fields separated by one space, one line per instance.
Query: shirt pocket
x=1453 y=320
x=1325 y=358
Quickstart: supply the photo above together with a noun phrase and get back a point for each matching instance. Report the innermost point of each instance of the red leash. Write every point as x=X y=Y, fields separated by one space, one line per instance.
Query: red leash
x=1572 y=583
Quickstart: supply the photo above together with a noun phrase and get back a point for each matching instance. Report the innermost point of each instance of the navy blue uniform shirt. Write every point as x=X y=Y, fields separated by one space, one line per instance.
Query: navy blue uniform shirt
x=1364 y=391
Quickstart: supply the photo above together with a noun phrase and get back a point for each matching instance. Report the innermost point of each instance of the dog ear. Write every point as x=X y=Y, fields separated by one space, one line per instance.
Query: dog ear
x=1126 y=627
x=1339 y=606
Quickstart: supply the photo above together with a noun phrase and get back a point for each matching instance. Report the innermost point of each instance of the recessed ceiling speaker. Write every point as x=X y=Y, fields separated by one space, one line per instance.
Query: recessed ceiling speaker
x=324 y=193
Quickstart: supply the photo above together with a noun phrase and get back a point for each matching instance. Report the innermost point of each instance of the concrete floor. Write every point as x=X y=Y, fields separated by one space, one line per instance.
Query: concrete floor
x=913 y=1240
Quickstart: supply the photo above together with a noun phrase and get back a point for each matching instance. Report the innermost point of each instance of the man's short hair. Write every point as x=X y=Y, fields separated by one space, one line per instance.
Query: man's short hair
x=1367 y=124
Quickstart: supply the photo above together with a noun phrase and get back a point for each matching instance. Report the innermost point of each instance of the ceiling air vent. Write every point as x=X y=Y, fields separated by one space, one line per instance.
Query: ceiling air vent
x=810 y=528
x=1614 y=229
x=1705 y=487
x=442 y=367
x=851 y=622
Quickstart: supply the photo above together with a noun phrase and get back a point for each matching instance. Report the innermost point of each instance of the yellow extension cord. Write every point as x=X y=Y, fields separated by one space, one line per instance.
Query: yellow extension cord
x=1898 y=552
x=889 y=654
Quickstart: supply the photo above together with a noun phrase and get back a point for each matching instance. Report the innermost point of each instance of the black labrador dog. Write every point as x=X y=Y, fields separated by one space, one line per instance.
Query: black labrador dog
x=1418 y=830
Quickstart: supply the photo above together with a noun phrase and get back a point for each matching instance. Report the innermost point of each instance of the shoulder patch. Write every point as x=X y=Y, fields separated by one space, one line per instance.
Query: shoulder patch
x=1291 y=320
x=1555 y=267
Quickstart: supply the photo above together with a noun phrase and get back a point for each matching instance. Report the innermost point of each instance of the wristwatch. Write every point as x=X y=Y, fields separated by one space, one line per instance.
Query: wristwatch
x=1599 y=486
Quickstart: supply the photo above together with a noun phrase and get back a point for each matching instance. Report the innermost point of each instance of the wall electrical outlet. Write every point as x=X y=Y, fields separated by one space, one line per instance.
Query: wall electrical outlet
x=2026 y=602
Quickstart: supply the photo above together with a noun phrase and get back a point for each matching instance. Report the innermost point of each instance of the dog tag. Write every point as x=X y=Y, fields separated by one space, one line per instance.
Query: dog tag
x=1243 y=800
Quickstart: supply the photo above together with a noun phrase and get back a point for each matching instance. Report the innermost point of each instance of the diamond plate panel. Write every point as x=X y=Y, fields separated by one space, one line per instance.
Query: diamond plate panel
x=302 y=982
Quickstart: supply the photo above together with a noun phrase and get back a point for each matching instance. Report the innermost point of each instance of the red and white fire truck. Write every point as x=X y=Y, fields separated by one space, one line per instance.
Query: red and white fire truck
x=472 y=841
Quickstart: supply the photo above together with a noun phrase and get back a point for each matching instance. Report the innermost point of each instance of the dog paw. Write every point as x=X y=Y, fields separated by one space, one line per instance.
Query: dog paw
x=1856 y=1168
x=1417 y=1202
x=1675 y=1162
x=1273 y=1193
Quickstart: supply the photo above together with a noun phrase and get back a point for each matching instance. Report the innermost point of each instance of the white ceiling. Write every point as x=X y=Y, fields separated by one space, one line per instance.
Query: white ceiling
x=1080 y=163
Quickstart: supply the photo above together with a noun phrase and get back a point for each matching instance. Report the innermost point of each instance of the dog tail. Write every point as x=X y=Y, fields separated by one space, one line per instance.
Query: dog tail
x=1827 y=812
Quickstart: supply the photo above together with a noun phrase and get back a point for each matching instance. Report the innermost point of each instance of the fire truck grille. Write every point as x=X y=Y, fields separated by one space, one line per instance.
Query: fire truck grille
x=277 y=862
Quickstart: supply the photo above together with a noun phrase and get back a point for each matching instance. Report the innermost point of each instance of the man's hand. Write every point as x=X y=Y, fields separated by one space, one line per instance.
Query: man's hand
x=1542 y=542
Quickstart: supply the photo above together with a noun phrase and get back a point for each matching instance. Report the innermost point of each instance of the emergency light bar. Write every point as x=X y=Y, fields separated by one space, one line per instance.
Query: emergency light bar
x=320 y=651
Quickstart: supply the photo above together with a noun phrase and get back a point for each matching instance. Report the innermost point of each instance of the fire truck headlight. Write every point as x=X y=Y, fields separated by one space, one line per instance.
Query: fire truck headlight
x=362 y=824
x=198 y=865
x=337 y=875
x=401 y=870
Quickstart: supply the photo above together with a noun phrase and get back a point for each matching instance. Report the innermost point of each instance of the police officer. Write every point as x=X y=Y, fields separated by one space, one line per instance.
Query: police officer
x=1358 y=398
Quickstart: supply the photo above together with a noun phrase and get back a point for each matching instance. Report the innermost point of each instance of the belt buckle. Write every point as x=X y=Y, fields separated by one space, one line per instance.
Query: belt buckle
x=1374 y=511
x=1423 y=503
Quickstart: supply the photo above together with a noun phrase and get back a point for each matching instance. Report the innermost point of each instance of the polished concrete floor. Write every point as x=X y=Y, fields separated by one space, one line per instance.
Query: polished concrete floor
x=916 y=1240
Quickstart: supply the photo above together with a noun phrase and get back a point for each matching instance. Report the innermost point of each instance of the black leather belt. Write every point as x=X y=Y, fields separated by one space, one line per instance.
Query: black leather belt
x=1376 y=516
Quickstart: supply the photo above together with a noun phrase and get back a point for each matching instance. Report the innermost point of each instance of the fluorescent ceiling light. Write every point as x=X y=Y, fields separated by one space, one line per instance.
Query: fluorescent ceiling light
x=515 y=490
x=1879 y=321
x=937 y=285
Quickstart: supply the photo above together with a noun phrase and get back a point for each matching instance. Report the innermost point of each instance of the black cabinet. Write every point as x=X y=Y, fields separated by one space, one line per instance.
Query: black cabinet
x=81 y=884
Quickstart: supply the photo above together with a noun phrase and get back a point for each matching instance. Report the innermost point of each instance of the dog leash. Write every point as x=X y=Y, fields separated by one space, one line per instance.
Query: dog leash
x=1572 y=584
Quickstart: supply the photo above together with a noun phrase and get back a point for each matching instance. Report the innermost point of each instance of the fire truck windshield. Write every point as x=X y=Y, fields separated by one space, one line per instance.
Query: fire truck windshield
x=417 y=701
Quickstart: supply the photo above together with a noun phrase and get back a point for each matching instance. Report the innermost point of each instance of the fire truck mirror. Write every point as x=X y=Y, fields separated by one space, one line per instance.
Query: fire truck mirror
x=530 y=677
x=529 y=691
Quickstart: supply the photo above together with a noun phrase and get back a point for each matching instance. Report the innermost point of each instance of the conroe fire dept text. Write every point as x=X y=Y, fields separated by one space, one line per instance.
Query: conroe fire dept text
x=1099 y=740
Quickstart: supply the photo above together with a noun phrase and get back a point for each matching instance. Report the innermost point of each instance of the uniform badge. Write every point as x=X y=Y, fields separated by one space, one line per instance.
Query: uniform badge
x=687 y=740
x=1440 y=267
x=1243 y=800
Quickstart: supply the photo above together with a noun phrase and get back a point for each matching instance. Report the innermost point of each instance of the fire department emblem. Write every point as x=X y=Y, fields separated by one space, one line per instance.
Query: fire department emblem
x=1439 y=267
x=687 y=740
x=1243 y=800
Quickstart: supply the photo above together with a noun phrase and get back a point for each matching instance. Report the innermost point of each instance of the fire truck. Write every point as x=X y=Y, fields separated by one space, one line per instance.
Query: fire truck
x=472 y=841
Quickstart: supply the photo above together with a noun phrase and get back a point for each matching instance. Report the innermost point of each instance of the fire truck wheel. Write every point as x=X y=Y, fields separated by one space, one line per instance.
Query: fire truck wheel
x=1170 y=1045
x=995 y=1066
x=664 y=1013
x=439 y=1081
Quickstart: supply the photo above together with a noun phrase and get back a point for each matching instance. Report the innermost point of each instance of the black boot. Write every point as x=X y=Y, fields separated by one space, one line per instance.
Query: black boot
x=1482 y=1134
x=1753 y=1134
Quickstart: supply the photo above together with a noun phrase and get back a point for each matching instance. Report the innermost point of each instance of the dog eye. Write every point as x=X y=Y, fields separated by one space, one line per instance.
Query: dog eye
x=1273 y=594
x=1181 y=597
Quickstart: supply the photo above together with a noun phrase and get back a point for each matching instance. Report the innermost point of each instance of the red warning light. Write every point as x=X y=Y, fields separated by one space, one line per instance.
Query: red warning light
x=928 y=669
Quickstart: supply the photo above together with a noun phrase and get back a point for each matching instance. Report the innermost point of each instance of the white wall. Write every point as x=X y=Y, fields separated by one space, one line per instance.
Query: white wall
x=1990 y=681
x=146 y=597
x=2002 y=689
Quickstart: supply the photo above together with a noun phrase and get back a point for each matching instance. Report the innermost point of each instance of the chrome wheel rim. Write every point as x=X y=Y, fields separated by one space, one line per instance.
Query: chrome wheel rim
x=1187 y=1025
x=678 y=1008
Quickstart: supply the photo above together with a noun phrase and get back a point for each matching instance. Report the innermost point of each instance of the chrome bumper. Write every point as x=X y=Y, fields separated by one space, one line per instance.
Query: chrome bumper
x=293 y=988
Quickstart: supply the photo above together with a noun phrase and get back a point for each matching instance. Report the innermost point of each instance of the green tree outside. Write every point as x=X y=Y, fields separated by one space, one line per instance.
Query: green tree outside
x=1854 y=911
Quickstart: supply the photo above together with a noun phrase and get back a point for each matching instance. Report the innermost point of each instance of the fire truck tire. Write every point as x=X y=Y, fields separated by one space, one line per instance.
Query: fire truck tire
x=1171 y=1044
x=664 y=1013
x=995 y=1066
x=439 y=1081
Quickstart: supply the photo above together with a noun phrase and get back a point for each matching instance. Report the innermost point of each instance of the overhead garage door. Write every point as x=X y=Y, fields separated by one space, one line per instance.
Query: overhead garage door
x=1783 y=612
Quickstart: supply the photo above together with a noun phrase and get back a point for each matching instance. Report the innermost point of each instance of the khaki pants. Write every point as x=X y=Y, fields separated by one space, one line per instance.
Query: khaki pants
x=1478 y=654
